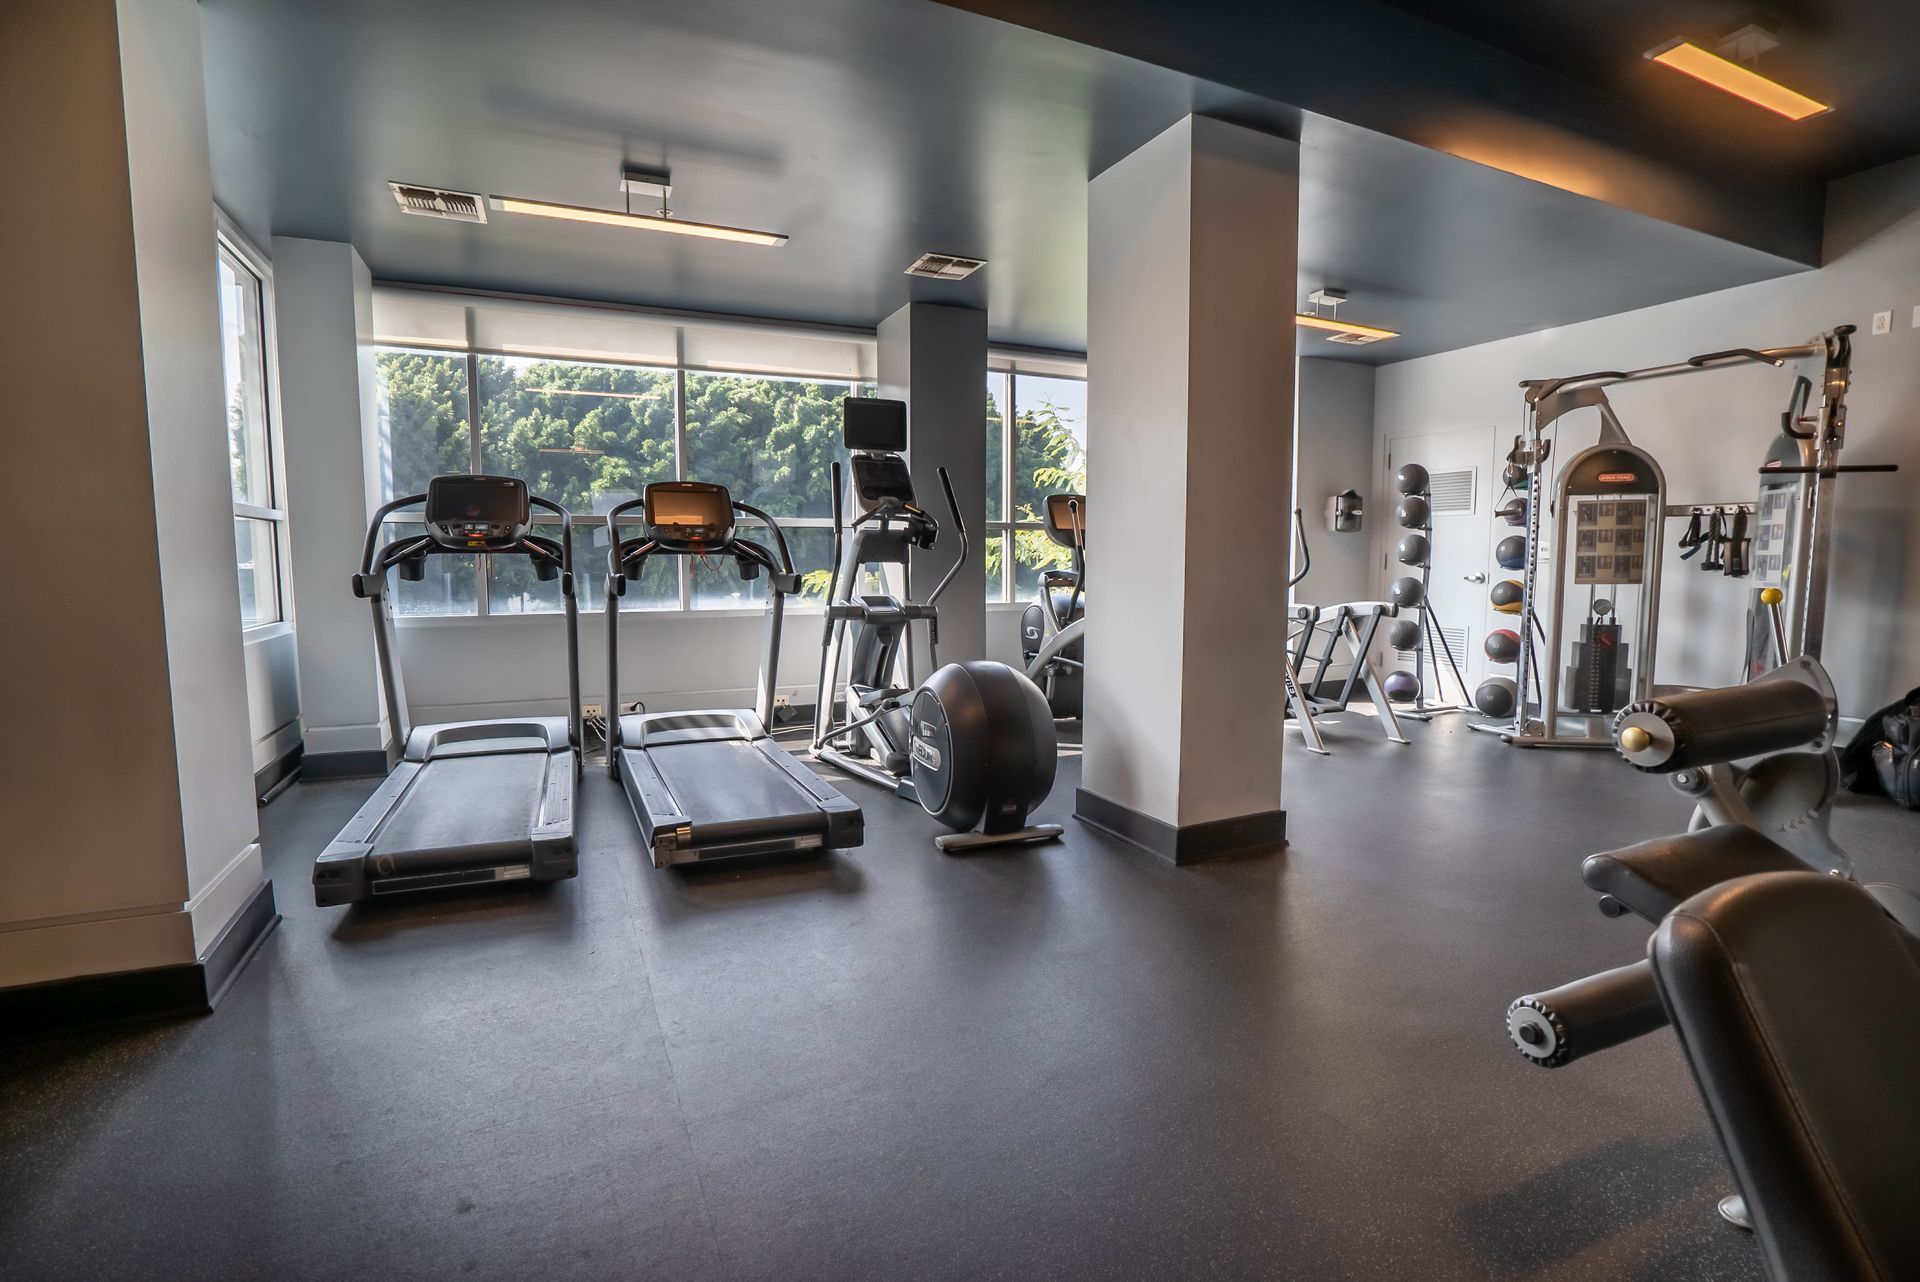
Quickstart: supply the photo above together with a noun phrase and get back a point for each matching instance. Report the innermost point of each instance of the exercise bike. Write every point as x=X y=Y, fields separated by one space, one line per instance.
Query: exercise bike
x=1052 y=624
x=973 y=744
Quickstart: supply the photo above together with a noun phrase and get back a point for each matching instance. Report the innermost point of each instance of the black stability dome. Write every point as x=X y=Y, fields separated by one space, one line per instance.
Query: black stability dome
x=1402 y=686
x=1412 y=512
x=1414 y=549
x=983 y=746
x=1406 y=592
x=1411 y=479
x=1404 y=634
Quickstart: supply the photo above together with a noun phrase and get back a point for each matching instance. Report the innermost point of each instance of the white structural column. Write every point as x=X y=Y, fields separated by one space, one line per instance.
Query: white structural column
x=323 y=298
x=1190 y=346
x=129 y=792
x=934 y=358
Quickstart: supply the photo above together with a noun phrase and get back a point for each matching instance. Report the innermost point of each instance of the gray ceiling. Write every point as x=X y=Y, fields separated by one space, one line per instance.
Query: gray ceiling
x=869 y=131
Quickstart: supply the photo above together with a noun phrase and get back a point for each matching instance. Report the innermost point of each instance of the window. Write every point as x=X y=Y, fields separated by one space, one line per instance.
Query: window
x=258 y=519
x=593 y=434
x=1037 y=449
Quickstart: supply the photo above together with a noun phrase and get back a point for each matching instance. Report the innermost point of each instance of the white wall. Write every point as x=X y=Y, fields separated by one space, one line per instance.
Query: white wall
x=1710 y=431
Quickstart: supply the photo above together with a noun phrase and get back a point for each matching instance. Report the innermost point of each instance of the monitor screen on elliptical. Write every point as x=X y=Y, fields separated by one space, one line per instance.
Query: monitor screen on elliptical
x=869 y=423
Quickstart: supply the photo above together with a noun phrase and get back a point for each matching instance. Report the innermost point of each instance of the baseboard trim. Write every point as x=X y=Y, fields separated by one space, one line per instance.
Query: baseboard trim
x=1185 y=843
x=343 y=765
x=270 y=779
x=35 y=1011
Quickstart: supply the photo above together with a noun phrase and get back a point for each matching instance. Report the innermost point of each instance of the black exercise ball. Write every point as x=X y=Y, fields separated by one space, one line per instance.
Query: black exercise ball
x=1412 y=512
x=983 y=746
x=1411 y=479
x=1402 y=687
x=1406 y=592
x=1496 y=697
x=1511 y=552
x=1506 y=595
x=1502 y=645
x=1404 y=634
x=1414 y=549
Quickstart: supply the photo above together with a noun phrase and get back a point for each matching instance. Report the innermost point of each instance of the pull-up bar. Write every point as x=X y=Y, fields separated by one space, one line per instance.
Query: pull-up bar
x=1538 y=389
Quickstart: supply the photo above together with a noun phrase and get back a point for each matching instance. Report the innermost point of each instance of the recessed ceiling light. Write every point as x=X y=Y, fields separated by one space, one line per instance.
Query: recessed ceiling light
x=646 y=182
x=1325 y=303
x=1710 y=68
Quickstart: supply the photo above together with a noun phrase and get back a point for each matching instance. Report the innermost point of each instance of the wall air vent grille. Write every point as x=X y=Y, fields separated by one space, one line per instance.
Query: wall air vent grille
x=1451 y=491
x=1456 y=639
x=945 y=266
x=433 y=202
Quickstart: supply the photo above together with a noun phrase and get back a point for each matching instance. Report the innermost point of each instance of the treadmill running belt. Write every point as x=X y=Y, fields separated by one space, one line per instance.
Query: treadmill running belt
x=458 y=802
x=728 y=780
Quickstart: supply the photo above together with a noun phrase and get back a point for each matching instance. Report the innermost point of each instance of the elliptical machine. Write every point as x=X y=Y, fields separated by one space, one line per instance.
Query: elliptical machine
x=973 y=744
x=1051 y=625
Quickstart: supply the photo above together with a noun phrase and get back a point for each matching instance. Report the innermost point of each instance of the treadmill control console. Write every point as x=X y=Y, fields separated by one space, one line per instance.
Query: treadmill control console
x=478 y=513
x=689 y=516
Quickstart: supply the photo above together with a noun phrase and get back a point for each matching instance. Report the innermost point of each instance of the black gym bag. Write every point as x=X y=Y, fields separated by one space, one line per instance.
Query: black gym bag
x=1884 y=756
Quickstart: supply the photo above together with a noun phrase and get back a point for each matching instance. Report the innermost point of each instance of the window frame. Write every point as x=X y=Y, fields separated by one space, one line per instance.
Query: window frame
x=1006 y=374
x=232 y=247
x=476 y=447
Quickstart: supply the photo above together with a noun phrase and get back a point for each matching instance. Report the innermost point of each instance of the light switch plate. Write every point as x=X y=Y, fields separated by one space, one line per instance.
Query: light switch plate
x=1916 y=318
x=1883 y=322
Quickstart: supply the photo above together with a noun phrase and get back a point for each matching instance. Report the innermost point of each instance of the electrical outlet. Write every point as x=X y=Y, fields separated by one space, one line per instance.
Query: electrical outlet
x=591 y=710
x=782 y=701
x=1883 y=322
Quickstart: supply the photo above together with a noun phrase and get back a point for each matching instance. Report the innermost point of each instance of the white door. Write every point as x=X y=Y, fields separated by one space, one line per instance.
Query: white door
x=1464 y=487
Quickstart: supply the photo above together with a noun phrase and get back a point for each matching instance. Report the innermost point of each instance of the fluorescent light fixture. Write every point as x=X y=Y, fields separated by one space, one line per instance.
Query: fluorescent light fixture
x=1730 y=77
x=640 y=222
x=1368 y=333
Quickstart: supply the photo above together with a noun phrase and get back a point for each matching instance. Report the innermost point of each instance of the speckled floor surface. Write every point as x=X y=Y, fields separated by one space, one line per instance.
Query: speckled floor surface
x=1066 y=1062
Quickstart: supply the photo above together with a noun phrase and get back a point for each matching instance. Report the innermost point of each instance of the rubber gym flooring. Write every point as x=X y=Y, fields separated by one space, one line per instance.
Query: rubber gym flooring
x=1063 y=1062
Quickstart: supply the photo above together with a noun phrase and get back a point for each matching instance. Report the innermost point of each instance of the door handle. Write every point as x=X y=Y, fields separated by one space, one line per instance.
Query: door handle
x=1478 y=577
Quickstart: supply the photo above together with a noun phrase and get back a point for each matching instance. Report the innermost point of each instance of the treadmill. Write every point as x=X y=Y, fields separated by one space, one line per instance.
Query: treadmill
x=468 y=801
x=713 y=784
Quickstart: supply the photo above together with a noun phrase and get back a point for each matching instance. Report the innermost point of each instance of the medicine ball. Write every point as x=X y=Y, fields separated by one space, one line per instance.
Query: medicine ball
x=1414 y=549
x=1412 y=479
x=1406 y=592
x=1402 y=687
x=1513 y=512
x=1404 y=634
x=1506 y=595
x=1511 y=552
x=1502 y=645
x=1496 y=697
x=1412 y=512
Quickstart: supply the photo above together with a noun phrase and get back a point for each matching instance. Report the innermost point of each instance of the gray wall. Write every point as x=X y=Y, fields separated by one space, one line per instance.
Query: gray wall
x=1333 y=451
x=1710 y=431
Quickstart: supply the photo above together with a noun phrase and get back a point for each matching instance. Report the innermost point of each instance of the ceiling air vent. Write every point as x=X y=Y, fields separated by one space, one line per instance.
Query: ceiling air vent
x=945 y=266
x=1355 y=340
x=432 y=202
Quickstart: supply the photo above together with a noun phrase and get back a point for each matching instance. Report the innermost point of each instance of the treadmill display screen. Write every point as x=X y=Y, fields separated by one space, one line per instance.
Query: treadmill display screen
x=684 y=514
x=868 y=423
x=479 y=512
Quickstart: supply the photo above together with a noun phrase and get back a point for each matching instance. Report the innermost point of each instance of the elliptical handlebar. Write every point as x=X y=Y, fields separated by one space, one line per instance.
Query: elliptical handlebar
x=960 y=528
x=1306 y=553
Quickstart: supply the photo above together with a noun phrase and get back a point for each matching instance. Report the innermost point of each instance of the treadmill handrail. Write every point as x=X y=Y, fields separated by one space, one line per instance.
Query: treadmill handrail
x=623 y=554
